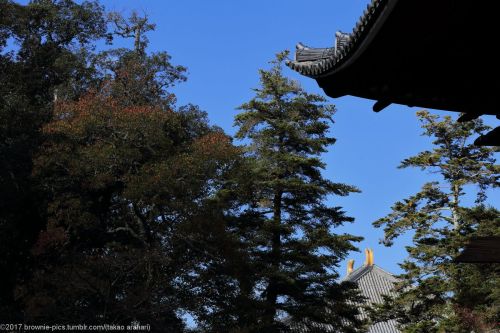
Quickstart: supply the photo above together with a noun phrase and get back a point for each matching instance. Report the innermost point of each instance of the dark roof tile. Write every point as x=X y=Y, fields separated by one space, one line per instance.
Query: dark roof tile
x=345 y=44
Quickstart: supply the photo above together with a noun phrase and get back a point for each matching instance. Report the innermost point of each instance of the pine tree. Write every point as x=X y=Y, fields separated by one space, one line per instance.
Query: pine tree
x=435 y=292
x=294 y=251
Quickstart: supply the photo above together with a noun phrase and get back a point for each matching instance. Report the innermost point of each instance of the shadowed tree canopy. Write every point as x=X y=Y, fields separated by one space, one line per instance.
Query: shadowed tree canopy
x=37 y=55
x=123 y=186
x=107 y=186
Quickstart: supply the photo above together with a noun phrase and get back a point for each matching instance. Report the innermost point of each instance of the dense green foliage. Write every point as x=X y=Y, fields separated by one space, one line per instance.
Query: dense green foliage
x=294 y=250
x=436 y=294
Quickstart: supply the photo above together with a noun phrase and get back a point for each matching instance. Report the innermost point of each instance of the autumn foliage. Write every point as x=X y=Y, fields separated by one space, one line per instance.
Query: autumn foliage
x=123 y=184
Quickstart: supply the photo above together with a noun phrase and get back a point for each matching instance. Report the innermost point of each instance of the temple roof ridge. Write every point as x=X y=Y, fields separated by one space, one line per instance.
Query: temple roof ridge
x=315 y=62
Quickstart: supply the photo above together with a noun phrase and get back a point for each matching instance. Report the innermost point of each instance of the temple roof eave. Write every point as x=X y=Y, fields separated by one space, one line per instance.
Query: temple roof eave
x=325 y=65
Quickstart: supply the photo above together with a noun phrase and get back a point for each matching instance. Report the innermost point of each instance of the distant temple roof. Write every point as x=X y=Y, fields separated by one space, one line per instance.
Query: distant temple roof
x=426 y=53
x=373 y=282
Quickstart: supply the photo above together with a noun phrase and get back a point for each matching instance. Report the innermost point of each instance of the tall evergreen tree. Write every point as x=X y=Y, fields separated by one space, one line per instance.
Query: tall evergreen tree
x=292 y=246
x=436 y=294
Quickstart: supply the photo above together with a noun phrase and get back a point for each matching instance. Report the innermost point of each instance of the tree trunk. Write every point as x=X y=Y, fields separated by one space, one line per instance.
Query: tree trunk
x=454 y=207
x=272 y=288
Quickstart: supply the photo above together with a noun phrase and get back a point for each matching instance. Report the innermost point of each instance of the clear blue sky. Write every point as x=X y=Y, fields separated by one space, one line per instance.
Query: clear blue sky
x=224 y=42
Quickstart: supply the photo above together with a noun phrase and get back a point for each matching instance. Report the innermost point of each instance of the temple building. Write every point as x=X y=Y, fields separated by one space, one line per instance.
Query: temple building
x=430 y=54
x=373 y=282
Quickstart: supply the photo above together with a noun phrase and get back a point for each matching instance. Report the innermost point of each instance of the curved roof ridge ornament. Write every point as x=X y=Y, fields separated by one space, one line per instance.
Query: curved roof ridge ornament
x=341 y=41
x=369 y=257
x=350 y=266
x=345 y=44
